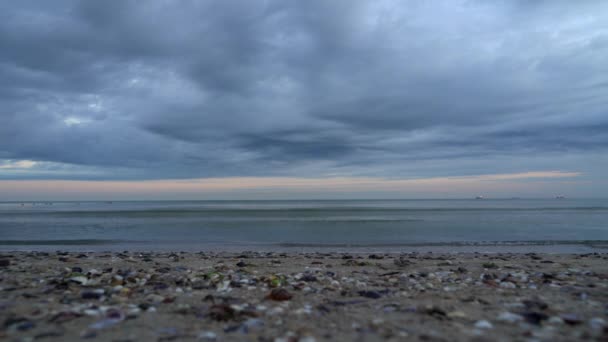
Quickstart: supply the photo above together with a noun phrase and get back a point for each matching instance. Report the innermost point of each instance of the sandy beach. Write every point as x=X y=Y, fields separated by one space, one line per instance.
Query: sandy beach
x=256 y=296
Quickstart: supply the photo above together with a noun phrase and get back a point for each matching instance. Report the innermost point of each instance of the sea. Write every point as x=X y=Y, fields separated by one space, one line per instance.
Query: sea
x=475 y=225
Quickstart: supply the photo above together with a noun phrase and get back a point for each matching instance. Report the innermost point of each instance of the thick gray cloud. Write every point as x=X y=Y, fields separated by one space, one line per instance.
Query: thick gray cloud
x=155 y=89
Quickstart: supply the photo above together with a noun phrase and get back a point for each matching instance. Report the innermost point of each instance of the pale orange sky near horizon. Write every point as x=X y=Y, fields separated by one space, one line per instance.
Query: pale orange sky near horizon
x=513 y=184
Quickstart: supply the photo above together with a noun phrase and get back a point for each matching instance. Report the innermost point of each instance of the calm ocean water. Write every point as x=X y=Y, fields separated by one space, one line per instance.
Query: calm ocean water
x=192 y=225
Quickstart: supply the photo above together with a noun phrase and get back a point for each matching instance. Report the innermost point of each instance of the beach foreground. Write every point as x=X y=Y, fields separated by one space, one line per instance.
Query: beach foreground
x=303 y=297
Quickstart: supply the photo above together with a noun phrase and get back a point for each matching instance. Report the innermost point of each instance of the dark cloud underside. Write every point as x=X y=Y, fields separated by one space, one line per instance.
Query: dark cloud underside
x=155 y=89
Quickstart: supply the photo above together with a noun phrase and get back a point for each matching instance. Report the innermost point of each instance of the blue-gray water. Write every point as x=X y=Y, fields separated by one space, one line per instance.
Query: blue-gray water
x=379 y=224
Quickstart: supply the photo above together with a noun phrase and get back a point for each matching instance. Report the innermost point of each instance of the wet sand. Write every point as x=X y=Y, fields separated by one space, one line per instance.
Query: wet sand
x=264 y=296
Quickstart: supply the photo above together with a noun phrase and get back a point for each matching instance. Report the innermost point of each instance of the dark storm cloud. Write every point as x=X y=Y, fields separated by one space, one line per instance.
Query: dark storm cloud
x=130 y=90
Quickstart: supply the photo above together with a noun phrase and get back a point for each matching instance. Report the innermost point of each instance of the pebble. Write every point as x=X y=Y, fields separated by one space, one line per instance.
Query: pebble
x=483 y=324
x=24 y=325
x=370 y=294
x=308 y=278
x=82 y=280
x=93 y=294
x=555 y=320
x=489 y=265
x=306 y=310
x=507 y=285
x=402 y=262
x=222 y=312
x=535 y=304
x=207 y=335
x=534 y=317
x=509 y=317
x=597 y=323
x=276 y=311
x=571 y=319
x=91 y=312
x=279 y=294
x=252 y=324
x=457 y=314
x=106 y=323
x=434 y=311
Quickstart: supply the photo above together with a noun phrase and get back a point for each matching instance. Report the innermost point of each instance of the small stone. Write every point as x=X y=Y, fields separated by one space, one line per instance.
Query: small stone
x=507 y=285
x=276 y=311
x=64 y=316
x=48 y=334
x=106 y=323
x=308 y=278
x=91 y=312
x=252 y=324
x=535 y=304
x=160 y=286
x=5 y=262
x=597 y=323
x=11 y=321
x=457 y=314
x=207 y=335
x=221 y=312
x=571 y=319
x=94 y=294
x=483 y=324
x=370 y=294
x=402 y=262
x=241 y=264
x=509 y=317
x=275 y=281
x=168 y=334
x=183 y=309
x=434 y=311
x=154 y=298
x=489 y=265
x=279 y=294
x=94 y=272
x=555 y=320
x=534 y=317
x=87 y=334
x=114 y=314
x=79 y=279
x=24 y=326
x=117 y=280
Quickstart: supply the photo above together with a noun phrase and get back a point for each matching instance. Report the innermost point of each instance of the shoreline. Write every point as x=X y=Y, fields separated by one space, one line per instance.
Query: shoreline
x=548 y=247
x=307 y=296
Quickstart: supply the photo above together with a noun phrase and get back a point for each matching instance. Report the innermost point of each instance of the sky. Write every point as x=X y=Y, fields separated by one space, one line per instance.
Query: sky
x=303 y=99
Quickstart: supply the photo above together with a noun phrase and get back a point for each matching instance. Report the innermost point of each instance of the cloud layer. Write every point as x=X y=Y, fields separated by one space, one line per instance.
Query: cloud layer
x=164 y=90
